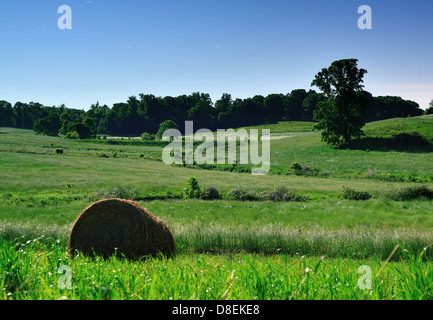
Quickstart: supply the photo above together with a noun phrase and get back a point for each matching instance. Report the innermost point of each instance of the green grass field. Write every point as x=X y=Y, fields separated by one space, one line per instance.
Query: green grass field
x=227 y=249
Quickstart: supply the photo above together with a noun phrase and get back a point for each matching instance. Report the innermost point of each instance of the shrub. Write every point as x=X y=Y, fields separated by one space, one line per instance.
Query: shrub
x=306 y=170
x=163 y=126
x=145 y=136
x=240 y=194
x=192 y=189
x=73 y=135
x=59 y=151
x=413 y=138
x=211 y=193
x=351 y=194
x=279 y=194
x=282 y=194
x=296 y=166
x=118 y=192
x=410 y=193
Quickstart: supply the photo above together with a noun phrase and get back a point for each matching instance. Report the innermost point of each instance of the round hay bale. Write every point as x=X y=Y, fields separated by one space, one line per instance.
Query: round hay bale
x=116 y=225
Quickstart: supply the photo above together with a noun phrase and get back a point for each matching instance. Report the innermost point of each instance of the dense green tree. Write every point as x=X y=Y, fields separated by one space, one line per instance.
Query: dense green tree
x=180 y=108
x=293 y=105
x=64 y=129
x=90 y=123
x=273 y=107
x=202 y=112
x=82 y=131
x=49 y=125
x=86 y=129
x=153 y=112
x=259 y=115
x=114 y=120
x=97 y=112
x=6 y=114
x=430 y=108
x=145 y=112
x=24 y=115
x=387 y=107
x=253 y=111
x=224 y=103
x=309 y=105
x=344 y=113
x=72 y=115
x=165 y=125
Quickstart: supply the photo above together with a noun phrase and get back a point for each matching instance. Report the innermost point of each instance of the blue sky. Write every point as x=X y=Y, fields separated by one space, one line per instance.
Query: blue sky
x=117 y=49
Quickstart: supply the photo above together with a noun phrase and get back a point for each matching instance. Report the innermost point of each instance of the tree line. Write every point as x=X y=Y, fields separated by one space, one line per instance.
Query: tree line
x=145 y=113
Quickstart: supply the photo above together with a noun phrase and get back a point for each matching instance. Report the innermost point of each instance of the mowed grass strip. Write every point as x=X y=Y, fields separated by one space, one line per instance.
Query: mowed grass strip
x=48 y=173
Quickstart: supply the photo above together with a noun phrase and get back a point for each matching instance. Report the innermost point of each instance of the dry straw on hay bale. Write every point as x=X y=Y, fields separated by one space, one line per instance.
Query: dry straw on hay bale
x=120 y=226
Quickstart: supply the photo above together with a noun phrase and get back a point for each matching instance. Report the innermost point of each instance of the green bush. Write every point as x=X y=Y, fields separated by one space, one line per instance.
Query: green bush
x=351 y=194
x=211 y=193
x=282 y=194
x=192 y=189
x=103 y=155
x=73 y=135
x=117 y=192
x=296 y=166
x=279 y=194
x=412 y=138
x=145 y=136
x=163 y=126
x=241 y=194
x=410 y=193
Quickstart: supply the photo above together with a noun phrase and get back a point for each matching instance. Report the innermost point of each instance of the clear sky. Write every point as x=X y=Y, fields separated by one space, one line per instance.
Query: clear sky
x=120 y=48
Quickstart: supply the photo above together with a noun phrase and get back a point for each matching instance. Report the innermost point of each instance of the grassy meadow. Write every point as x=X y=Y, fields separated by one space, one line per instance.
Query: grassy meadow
x=229 y=248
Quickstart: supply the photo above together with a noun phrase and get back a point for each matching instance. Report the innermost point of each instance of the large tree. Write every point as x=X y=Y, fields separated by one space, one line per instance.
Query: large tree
x=293 y=105
x=6 y=114
x=274 y=107
x=50 y=125
x=166 y=125
x=344 y=113
x=309 y=105
x=430 y=108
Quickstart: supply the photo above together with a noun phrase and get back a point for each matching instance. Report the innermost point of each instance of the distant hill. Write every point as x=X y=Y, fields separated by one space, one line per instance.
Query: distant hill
x=382 y=128
x=387 y=128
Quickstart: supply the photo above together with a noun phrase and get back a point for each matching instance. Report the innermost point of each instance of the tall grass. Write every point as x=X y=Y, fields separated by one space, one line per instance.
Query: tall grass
x=272 y=239
x=360 y=243
x=31 y=270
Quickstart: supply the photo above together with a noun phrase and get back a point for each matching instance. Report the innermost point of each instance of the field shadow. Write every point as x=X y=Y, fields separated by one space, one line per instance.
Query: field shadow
x=390 y=144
